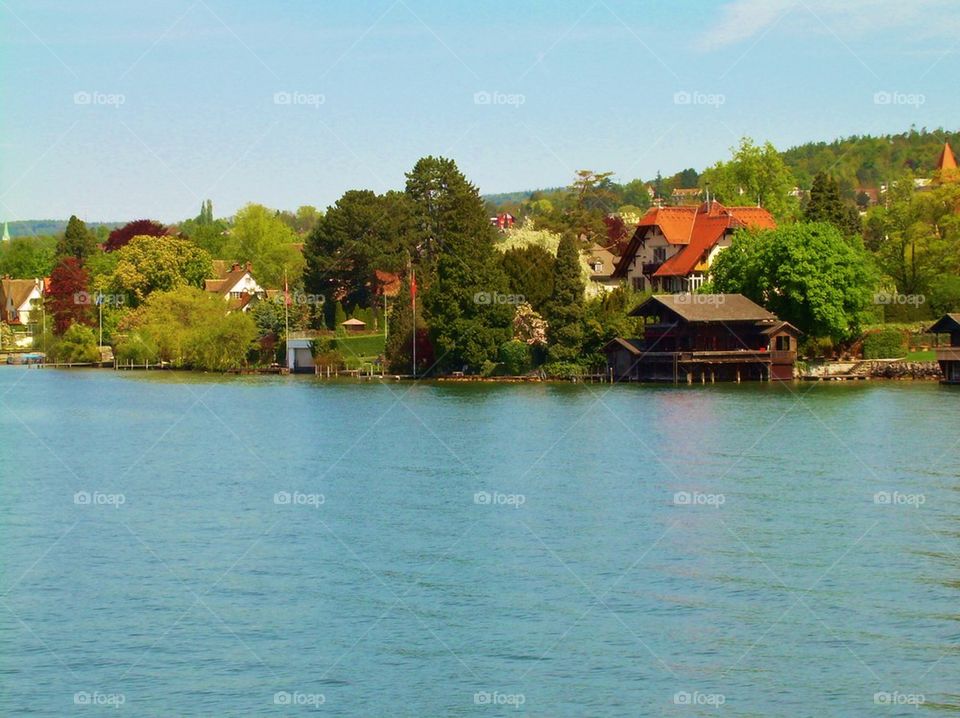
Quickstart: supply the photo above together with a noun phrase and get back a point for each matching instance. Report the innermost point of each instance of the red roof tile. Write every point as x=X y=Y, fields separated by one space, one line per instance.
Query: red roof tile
x=947 y=161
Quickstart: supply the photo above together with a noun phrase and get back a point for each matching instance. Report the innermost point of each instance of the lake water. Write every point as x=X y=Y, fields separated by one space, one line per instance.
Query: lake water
x=175 y=544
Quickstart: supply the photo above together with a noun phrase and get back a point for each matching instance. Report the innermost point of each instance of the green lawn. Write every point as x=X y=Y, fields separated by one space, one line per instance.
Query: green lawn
x=922 y=356
x=360 y=350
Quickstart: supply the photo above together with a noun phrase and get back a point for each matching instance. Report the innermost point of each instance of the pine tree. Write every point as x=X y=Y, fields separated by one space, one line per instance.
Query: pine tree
x=464 y=288
x=826 y=205
x=565 y=308
x=77 y=241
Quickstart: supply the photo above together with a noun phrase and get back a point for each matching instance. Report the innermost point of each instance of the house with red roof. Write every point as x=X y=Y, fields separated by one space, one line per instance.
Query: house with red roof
x=673 y=247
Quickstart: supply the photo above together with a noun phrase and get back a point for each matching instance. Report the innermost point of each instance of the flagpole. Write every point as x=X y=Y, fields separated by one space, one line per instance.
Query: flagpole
x=286 y=317
x=413 y=301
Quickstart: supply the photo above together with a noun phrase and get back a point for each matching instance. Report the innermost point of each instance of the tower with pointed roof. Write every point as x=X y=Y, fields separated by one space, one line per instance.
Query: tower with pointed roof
x=947 y=164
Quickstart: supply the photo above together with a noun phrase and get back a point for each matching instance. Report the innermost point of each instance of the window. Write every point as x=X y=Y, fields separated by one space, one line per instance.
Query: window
x=783 y=343
x=659 y=254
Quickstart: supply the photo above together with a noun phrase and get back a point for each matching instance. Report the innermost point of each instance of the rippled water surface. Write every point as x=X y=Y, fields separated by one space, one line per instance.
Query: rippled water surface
x=184 y=545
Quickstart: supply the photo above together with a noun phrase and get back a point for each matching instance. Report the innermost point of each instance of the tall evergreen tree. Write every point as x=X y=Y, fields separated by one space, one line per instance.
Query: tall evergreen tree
x=826 y=205
x=565 y=308
x=464 y=285
x=77 y=240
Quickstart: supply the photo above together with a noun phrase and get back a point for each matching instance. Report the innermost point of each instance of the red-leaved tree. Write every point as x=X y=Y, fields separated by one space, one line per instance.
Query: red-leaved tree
x=68 y=298
x=120 y=236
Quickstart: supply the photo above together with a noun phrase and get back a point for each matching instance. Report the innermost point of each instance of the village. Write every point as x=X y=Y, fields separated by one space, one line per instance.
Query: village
x=659 y=267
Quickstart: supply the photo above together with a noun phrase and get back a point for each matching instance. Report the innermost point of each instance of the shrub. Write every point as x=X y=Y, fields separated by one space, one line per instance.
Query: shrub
x=78 y=345
x=886 y=343
x=563 y=370
x=813 y=347
x=515 y=357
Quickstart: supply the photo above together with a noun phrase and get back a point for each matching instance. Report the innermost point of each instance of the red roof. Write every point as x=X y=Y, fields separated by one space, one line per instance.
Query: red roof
x=699 y=228
x=947 y=161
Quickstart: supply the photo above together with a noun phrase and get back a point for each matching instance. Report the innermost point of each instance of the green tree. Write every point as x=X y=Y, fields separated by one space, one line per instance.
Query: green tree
x=464 y=281
x=564 y=311
x=77 y=241
x=635 y=193
x=28 y=257
x=360 y=234
x=755 y=174
x=149 y=264
x=78 y=345
x=188 y=328
x=805 y=273
x=826 y=205
x=260 y=237
x=529 y=270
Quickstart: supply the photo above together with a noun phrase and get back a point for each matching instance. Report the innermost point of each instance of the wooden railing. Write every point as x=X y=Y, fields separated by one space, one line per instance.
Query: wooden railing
x=948 y=354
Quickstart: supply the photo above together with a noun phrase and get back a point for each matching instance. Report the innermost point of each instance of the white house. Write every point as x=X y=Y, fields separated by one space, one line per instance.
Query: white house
x=234 y=282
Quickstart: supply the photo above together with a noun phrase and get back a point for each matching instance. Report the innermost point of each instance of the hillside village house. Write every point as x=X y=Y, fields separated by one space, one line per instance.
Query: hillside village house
x=949 y=357
x=600 y=262
x=235 y=283
x=704 y=337
x=19 y=299
x=673 y=247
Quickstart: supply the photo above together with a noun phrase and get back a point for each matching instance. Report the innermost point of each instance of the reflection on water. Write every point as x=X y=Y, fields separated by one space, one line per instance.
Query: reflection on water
x=285 y=544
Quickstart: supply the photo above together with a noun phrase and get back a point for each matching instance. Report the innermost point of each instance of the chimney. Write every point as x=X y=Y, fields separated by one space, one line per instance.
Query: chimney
x=235 y=267
x=249 y=266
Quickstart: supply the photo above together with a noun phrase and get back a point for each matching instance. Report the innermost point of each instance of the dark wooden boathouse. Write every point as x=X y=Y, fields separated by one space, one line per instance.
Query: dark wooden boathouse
x=949 y=357
x=705 y=338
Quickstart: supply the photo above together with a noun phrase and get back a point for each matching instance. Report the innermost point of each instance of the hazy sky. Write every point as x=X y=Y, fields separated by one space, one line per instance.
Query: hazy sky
x=123 y=109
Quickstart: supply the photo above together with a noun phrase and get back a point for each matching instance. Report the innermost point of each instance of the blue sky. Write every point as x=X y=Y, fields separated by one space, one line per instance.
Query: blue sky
x=117 y=110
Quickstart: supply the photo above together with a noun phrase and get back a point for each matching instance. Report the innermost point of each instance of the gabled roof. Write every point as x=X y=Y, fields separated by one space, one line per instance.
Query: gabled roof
x=353 y=323
x=947 y=324
x=618 y=343
x=705 y=308
x=226 y=274
x=947 y=161
x=14 y=293
x=607 y=259
x=698 y=228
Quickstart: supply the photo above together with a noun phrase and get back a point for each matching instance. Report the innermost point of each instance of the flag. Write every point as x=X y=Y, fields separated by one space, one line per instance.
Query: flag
x=286 y=290
x=413 y=284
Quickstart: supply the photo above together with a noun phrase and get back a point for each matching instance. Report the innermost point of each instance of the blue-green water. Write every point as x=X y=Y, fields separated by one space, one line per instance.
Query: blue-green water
x=475 y=550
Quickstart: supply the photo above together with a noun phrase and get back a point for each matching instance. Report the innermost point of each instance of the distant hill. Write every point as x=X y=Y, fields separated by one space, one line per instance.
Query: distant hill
x=868 y=161
x=855 y=161
x=44 y=227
